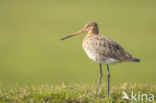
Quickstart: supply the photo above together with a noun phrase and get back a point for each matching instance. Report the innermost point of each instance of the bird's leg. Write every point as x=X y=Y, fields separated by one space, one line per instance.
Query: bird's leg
x=108 y=76
x=99 y=79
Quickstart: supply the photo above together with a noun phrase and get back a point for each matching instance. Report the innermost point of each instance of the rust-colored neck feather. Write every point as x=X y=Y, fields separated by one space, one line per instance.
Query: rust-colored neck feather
x=91 y=32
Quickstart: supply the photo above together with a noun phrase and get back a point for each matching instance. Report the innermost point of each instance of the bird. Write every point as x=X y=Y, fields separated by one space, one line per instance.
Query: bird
x=102 y=50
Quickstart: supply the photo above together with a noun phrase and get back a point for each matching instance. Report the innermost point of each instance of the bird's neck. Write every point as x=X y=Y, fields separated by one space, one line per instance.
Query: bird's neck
x=92 y=32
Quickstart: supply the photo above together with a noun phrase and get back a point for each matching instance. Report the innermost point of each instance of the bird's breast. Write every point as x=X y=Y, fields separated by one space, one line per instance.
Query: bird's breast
x=88 y=47
x=92 y=50
x=95 y=51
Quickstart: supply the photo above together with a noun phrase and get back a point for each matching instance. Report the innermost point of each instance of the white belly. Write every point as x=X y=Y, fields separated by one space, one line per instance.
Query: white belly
x=94 y=57
x=111 y=61
x=91 y=55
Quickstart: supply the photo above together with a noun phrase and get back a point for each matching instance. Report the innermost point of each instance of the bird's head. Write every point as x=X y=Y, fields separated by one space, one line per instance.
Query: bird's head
x=89 y=27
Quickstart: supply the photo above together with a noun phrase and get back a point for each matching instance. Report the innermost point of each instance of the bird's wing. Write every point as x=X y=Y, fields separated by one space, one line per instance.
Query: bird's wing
x=109 y=48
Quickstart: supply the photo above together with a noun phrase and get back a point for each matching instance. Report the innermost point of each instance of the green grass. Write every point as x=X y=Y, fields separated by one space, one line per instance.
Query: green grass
x=70 y=93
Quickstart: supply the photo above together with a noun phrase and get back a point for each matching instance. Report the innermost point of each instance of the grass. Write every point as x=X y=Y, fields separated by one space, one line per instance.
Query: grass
x=69 y=93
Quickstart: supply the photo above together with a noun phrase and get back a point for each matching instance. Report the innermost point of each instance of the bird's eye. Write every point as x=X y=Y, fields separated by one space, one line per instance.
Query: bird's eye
x=88 y=26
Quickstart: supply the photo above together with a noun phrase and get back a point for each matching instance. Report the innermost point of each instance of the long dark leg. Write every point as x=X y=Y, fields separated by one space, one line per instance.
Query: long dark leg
x=108 y=75
x=99 y=79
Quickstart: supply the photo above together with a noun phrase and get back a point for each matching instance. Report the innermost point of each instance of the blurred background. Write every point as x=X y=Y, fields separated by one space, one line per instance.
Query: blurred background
x=31 y=51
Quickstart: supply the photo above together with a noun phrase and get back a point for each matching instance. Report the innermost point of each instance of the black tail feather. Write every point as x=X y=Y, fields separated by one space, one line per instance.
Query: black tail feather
x=135 y=60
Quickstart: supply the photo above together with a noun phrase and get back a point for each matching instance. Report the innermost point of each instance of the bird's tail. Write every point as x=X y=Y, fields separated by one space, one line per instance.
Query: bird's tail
x=135 y=60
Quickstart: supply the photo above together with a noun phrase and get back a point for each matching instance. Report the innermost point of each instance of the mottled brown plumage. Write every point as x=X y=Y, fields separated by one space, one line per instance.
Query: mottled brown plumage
x=104 y=48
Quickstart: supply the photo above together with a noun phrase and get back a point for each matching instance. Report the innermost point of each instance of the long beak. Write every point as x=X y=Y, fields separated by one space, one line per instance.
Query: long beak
x=79 y=32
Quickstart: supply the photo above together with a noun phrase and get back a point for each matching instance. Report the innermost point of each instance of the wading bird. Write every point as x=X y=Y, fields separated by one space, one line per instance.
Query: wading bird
x=102 y=50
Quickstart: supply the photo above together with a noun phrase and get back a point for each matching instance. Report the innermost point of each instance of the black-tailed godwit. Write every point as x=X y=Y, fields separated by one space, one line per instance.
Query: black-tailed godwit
x=102 y=50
